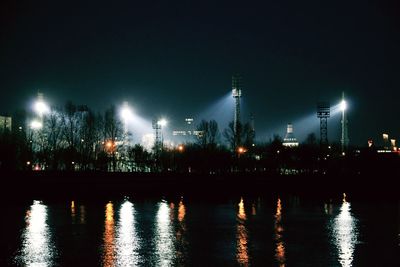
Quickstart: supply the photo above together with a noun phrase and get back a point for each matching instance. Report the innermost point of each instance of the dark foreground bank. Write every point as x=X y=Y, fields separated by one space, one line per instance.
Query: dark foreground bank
x=55 y=184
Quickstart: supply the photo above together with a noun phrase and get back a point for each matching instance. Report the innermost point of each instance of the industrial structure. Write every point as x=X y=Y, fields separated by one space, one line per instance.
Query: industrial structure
x=345 y=137
x=157 y=126
x=290 y=140
x=323 y=113
x=237 y=94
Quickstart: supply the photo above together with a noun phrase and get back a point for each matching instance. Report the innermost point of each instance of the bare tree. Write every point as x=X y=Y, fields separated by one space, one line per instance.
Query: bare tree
x=70 y=130
x=209 y=134
x=113 y=131
x=244 y=136
x=53 y=128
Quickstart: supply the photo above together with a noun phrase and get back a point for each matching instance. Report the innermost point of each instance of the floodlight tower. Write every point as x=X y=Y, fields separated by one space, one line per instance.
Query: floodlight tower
x=157 y=131
x=237 y=94
x=345 y=137
x=323 y=113
x=157 y=126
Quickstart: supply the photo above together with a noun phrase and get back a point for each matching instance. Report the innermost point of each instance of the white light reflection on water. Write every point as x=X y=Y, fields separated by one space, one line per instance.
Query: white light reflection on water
x=37 y=248
x=242 y=254
x=345 y=233
x=127 y=242
x=164 y=237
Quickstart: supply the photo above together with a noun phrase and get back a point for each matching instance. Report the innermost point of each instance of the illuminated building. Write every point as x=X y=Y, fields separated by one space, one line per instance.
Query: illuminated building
x=393 y=144
x=385 y=138
x=186 y=132
x=5 y=123
x=290 y=140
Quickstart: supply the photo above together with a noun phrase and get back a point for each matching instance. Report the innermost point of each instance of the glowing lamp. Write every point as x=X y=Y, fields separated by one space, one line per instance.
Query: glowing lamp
x=41 y=107
x=236 y=93
x=343 y=105
x=36 y=125
x=126 y=113
x=162 y=122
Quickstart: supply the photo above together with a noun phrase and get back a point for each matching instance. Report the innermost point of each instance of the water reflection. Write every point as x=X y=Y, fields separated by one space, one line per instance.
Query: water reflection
x=73 y=212
x=253 y=209
x=82 y=218
x=109 y=237
x=242 y=255
x=181 y=211
x=127 y=243
x=344 y=230
x=164 y=238
x=37 y=248
x=278 y=231
x=182 y=244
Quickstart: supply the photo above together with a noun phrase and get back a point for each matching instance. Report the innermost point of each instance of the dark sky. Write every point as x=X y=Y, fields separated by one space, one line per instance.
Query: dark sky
x=176 y=58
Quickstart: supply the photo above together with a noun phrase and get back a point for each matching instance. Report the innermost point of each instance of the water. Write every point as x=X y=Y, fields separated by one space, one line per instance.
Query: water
x=269 y=230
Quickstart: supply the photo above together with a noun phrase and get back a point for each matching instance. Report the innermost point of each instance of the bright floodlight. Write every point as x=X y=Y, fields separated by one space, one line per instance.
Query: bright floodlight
x=41 y=107
x=126 y=113
x=343 y=105
x=36 y=125
x=162 y=122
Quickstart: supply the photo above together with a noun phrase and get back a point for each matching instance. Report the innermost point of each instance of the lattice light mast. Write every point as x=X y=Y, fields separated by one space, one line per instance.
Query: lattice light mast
x=237 y=94
x=344 y=123
x=157 y=126
x=323 y=113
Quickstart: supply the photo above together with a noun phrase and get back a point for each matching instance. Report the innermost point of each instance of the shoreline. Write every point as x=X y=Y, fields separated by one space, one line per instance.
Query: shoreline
x=92 y=184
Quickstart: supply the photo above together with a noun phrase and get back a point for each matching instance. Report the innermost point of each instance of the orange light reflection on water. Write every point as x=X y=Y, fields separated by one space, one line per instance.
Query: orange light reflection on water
x=242 y=254
x=280 y=250
x=109 y=237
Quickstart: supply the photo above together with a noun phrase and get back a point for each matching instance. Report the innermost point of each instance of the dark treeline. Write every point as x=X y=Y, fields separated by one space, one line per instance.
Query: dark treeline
x=75 y=138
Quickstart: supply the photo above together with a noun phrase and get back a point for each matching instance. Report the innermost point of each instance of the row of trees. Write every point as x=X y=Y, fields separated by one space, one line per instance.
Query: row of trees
x=76 y=138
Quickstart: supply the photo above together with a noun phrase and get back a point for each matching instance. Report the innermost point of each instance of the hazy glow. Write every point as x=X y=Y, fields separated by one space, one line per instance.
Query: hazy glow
x=36 y=125
x=344 y=231
x=278 y=229
x=109 y=237
x=162 y=122
x=126 y=113
x=164 y=238
x=221 y=111
x=127 y=243
x=41 y=107
x=242 y=254
x=343 y=105
x=37 y=249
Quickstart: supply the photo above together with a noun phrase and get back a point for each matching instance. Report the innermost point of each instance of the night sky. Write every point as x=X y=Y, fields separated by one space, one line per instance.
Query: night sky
x=176 y=59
